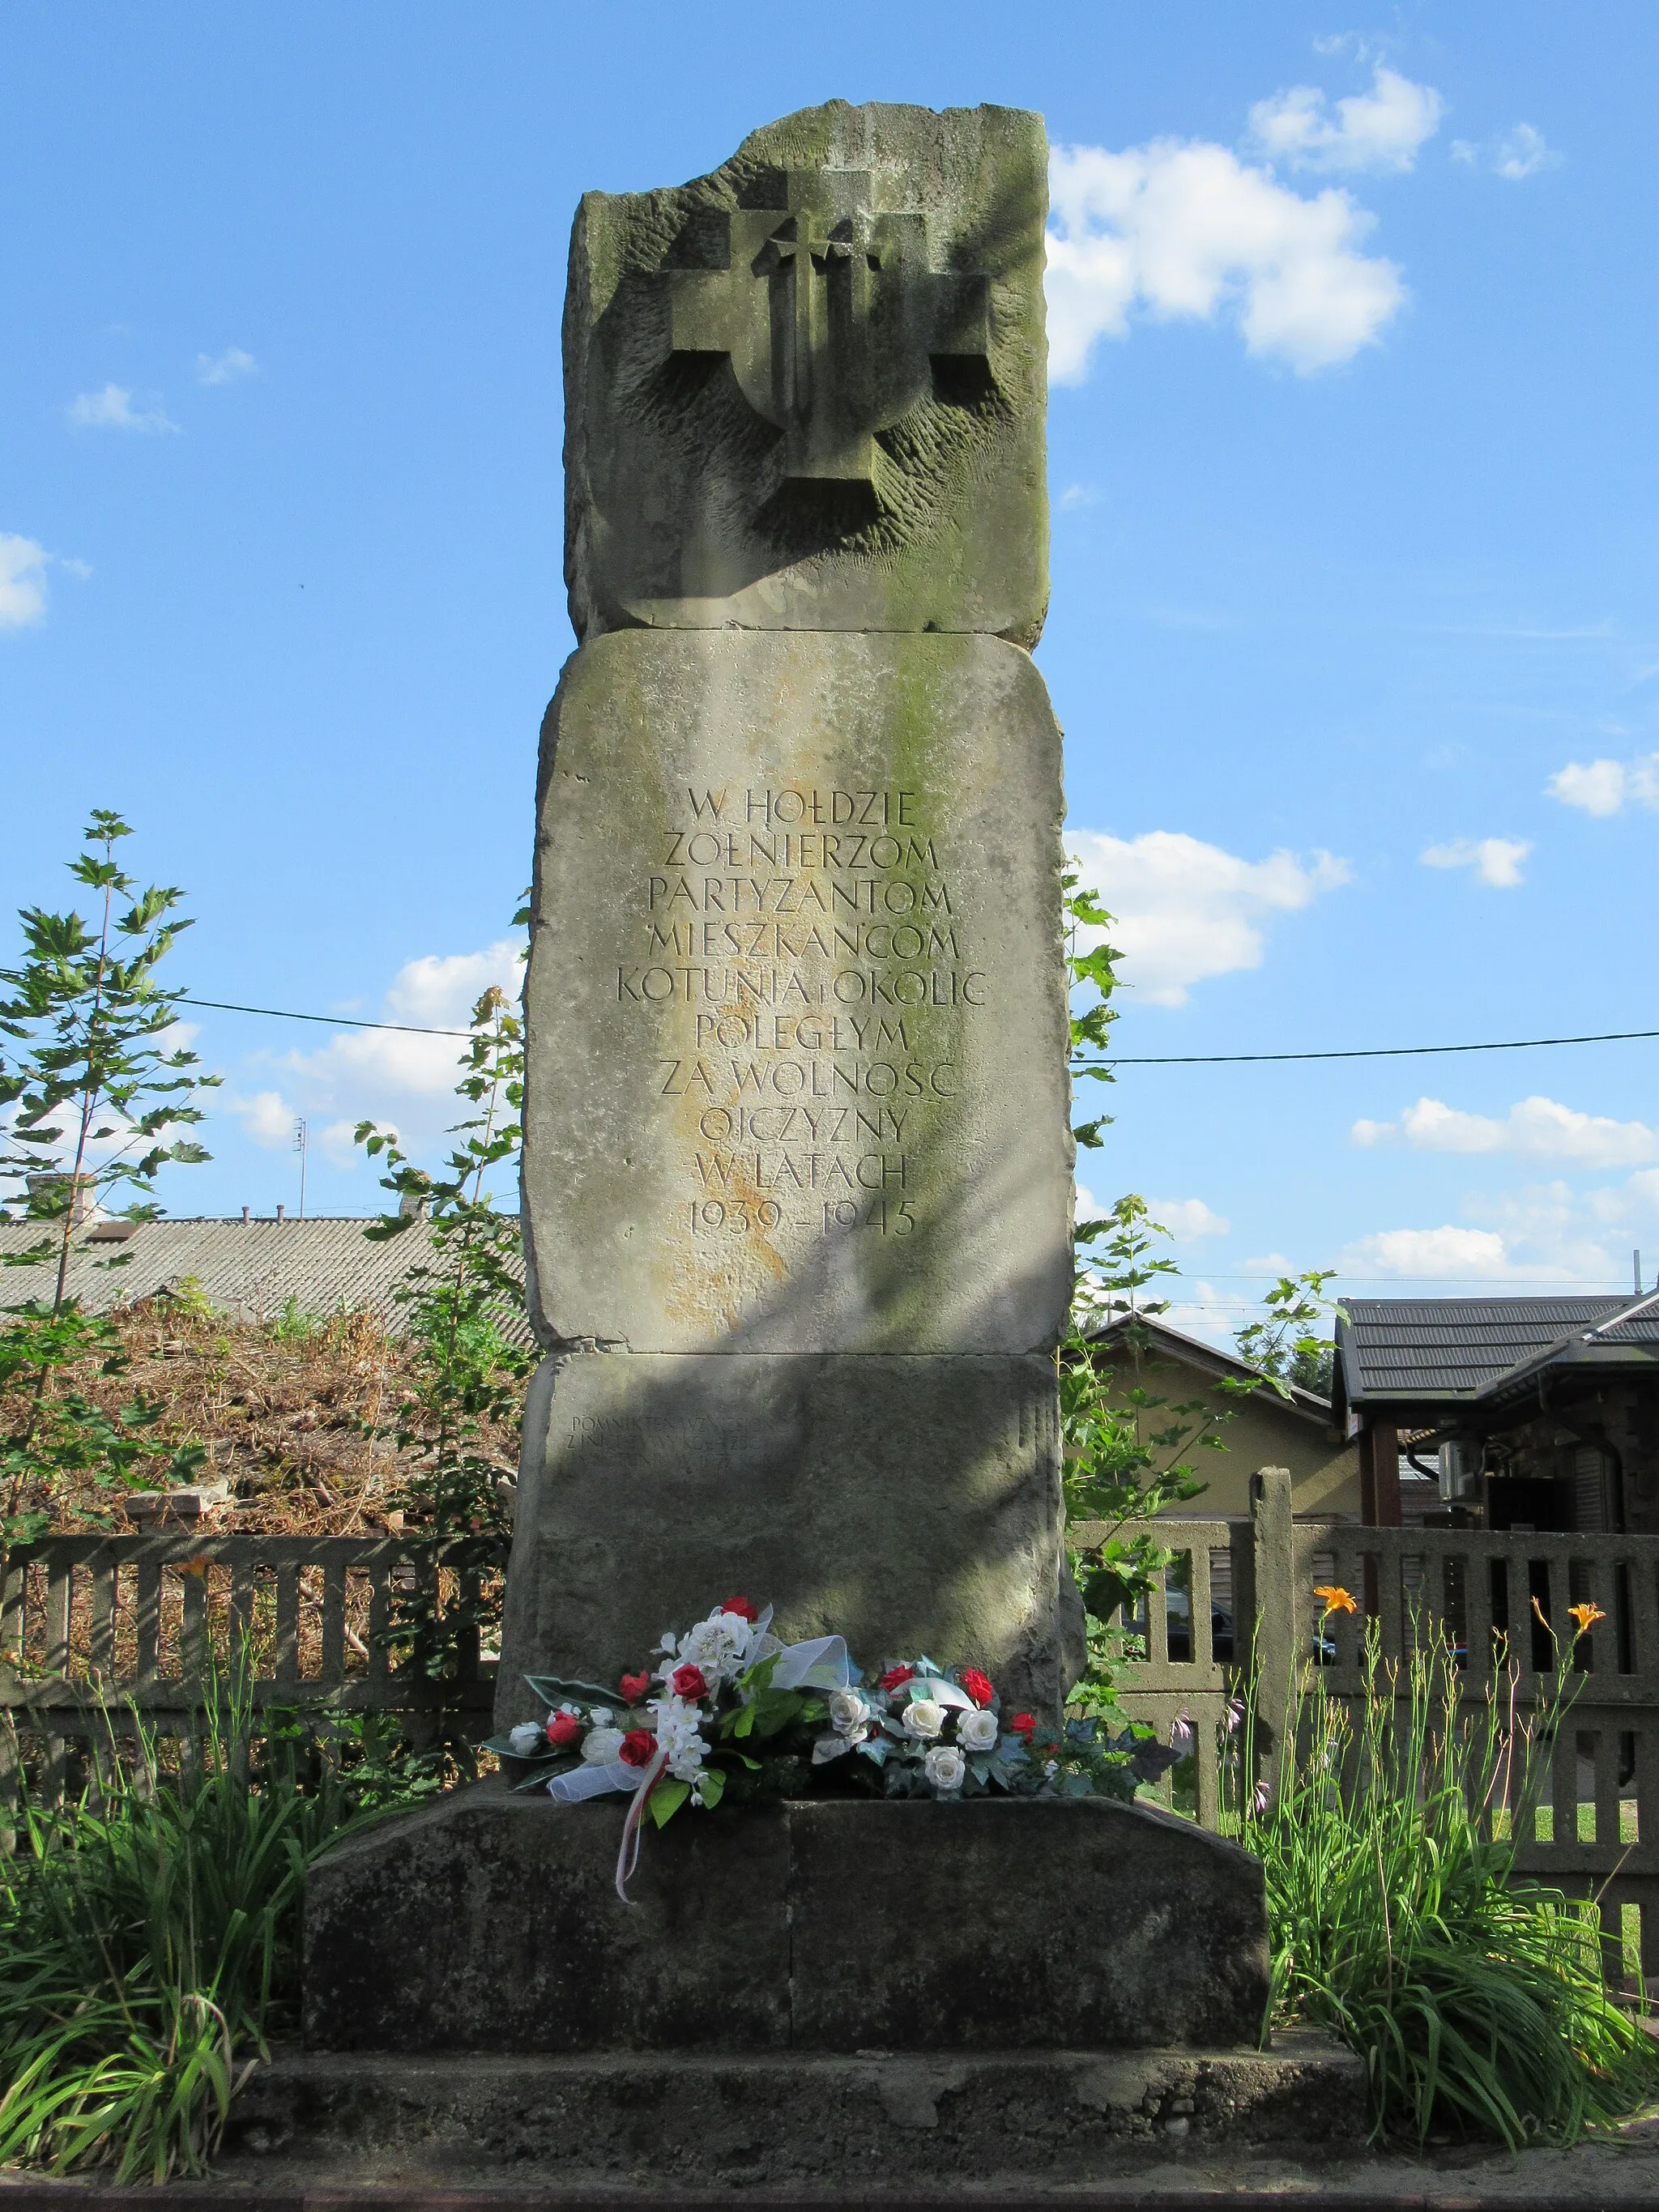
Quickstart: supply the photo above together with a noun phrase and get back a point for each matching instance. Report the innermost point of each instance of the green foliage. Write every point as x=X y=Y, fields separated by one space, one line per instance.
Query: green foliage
x=294 y=1325
x=148 y=1946
x=1283 y=1344
x=468 y=1371
x=1398 y=1924
x=1129 y=1450
x=1091 y=1023
x=97 y=1099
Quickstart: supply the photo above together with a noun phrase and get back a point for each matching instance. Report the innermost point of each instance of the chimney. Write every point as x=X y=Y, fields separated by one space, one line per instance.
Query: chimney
x=245 y=1217
x=279 y=1213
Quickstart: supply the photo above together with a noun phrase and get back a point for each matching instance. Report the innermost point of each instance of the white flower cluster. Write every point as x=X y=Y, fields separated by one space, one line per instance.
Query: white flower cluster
x=679 y=1735
x=923 y=1719
x=722 y=1646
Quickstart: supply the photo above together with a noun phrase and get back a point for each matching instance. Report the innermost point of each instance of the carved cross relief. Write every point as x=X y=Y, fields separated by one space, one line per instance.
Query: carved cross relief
x=831 y=318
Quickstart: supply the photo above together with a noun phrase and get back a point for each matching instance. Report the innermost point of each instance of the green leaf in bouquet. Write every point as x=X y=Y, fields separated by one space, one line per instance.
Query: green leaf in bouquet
x=666 y=1800
x=876 y=1747
x=713 y=1787
x=549 y=1688
x=1077 y=1785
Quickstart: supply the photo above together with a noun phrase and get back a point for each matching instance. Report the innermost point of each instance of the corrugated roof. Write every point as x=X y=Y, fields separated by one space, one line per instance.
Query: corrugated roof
x=248 y=1270
x=1449 y=1347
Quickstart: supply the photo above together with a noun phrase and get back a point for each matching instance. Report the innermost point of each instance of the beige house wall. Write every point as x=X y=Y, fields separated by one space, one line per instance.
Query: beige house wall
x=1263 y=1432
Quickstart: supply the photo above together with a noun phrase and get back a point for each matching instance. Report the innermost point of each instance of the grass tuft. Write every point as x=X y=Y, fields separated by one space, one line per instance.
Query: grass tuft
x=147 y=1947
x=1477 y=1998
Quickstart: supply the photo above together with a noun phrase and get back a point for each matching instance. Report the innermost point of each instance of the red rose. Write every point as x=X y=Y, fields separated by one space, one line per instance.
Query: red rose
x=977 y=1686
x=896 y=1676
x=688 y=1682
x=639 y=1747
x=1023 y=1724
x=634 y=1687
x=745 y=1606
x=562 y=1729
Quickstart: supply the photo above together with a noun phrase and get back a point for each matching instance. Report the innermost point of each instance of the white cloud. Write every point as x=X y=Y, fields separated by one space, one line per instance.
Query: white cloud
x=1184 y=228
x=1077 y=494
x=266 y=1115
x=1537 y=1128
x=396 y=1080
x=112 y=409
x=1519 y=154
x=1382 y=128
x=1184 y=910
x=225 y=368
x=22 y=582
x=1603 y=786
x=1186 y=1219
x=1446 y=1253
x=1496 y=860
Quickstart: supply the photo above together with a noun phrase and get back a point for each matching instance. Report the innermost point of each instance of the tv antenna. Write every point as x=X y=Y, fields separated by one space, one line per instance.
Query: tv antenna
x=302 y=1145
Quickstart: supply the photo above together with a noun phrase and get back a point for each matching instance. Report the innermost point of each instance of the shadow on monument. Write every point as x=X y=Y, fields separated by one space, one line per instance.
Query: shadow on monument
x=909 y=1501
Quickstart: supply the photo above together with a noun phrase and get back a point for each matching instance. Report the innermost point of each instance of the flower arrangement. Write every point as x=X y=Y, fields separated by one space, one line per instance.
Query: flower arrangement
x=730 y=1713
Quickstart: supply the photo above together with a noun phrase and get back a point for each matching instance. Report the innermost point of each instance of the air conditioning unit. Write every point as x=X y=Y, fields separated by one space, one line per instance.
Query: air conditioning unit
x=1461 y=1463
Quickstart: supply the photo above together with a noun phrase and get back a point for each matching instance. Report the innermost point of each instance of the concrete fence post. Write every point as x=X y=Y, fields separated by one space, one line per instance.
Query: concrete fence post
x=1273 y=1618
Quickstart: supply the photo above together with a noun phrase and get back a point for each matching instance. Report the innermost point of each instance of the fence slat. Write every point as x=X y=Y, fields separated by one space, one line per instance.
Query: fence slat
x=334 y=1608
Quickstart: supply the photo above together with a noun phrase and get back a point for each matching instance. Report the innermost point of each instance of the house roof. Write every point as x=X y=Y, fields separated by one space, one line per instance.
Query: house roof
x=1433 y=1351
x=248 y=1270
x=1176 y=1344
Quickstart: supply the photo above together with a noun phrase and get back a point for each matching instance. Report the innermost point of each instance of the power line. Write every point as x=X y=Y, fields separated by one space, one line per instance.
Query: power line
x=339 y=1021
x=1160 y=1059
x=1366 y=1052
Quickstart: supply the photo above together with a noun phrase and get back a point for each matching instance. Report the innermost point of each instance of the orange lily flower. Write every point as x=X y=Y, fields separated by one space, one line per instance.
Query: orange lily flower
x=1334 y=1598
x=1585 y=1615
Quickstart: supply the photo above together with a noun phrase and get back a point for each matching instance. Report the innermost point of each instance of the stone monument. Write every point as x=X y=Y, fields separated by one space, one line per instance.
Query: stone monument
x=798 y=1159
x=797 y=1197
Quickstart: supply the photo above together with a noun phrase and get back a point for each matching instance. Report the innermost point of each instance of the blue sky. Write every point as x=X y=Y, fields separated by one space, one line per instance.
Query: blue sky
x=1353 y=632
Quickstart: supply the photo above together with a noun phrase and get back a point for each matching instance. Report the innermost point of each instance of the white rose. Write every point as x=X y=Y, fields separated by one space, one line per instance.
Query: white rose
x=720 y=1646
x=944 y=1767
x=922 y=1717
x=976 y=1731
x=848 y=1713
x=528 y=1737
x=599 y=1715
x=601 y=1745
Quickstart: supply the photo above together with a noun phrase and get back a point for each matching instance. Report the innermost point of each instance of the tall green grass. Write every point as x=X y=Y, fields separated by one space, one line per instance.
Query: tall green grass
x=1476 y=1997
x=148 y=1943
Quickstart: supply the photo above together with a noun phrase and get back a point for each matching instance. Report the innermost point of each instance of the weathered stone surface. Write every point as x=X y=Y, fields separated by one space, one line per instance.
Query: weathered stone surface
x=911 y=1505
x=797 y=1022
x=624 y=2128
x=807 y=391
x=488 y=1923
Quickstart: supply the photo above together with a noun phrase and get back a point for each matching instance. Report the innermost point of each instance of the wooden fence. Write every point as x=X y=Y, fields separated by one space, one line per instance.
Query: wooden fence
x=132 y=1636
x=1239 y=1606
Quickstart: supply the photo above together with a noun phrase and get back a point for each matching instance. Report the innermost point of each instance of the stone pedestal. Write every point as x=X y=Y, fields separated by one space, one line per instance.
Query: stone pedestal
x=490 y=1923
x=829 y=1996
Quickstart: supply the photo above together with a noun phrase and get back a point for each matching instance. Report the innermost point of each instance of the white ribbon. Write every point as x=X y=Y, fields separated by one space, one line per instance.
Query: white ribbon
x=824 y=1664
x=585 y=1782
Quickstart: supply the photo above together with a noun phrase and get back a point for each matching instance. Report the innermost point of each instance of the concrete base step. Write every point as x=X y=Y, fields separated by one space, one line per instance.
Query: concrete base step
x=823 y=2124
